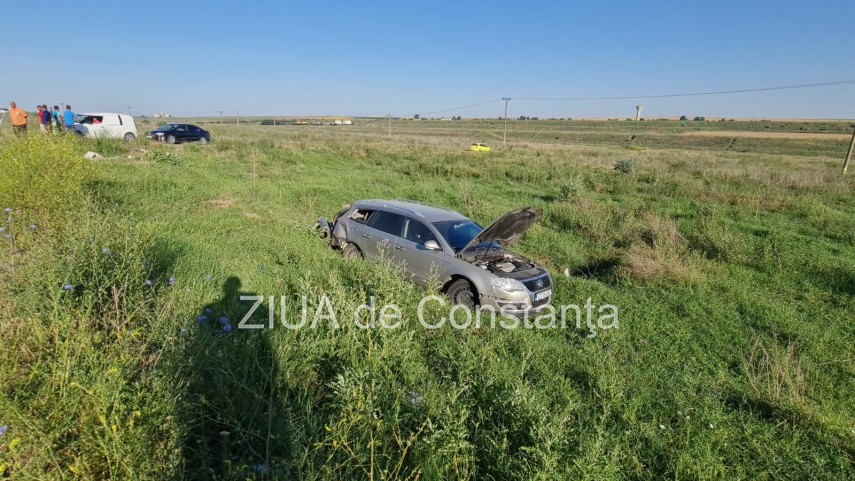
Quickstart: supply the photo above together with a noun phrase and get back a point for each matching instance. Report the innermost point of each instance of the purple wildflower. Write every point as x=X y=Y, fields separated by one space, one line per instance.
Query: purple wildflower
x=208 y=310
x=148 y=282
x=2 y=229
x=224 y=320
x=171 y=281
x=3 y=429
x=227 y=327
x=201 y=319
x=67 y=287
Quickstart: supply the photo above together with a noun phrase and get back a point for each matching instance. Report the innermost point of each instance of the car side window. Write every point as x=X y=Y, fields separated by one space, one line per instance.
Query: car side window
x=192 y=128
x=180 y=128
x=387 y=222
x=415 y=231
x=361 y=215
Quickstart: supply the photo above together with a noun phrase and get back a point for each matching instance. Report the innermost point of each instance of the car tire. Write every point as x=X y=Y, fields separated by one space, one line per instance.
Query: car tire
x=462 y=292
x=203 y=140
x=351 y=252
x=170 y=139
x=130 y=137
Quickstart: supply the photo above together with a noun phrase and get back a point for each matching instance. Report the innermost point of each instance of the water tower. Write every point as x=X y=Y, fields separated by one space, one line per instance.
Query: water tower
x=638 y=112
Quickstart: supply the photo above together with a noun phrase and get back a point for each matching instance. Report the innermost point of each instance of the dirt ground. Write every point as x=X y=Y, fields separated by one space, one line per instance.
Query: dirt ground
x=768 y=135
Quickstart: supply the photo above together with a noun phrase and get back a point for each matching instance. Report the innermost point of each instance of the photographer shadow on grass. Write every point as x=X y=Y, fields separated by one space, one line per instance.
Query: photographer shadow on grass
x=231 y=411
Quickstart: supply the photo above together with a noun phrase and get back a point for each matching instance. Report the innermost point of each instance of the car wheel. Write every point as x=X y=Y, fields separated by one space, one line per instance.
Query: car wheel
x=463 y=293
x=170 y=139
x=351 y=252
x=130 y=137
x=203 y=141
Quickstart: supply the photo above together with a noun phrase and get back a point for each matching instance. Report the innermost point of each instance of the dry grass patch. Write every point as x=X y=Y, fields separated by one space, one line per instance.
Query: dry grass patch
x=222 y=203
x=662 y=254
x=774 y=372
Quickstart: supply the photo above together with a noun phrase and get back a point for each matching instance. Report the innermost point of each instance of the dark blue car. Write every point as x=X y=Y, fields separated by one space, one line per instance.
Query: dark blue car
x=177 y=133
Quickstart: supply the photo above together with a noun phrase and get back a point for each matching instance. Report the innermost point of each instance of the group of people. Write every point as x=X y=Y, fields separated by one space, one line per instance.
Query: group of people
x=48 y=119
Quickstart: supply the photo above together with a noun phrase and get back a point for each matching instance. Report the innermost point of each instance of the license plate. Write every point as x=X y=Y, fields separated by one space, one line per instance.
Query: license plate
x=542 y=295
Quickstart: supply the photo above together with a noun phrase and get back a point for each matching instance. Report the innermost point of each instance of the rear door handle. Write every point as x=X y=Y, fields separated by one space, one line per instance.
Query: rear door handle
x=400 y=248
x=364 y=235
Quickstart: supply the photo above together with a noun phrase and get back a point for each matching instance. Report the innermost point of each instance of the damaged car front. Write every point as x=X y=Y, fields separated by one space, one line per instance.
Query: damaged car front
x=430 y=244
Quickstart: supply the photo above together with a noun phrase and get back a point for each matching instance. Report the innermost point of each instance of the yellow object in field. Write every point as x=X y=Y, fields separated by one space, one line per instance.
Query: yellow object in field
x=479 y=148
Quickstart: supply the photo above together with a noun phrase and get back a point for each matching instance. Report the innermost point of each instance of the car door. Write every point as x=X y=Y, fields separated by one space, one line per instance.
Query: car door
x=376 y=239
x=193 y=132
x=111 y=126
x=93 y=125
x=379 y=237
x=421 y=264
x=180 y=132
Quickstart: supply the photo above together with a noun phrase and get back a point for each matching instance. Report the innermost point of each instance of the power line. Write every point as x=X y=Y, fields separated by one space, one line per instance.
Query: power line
x=695 y=94
x=657 y=96
x=462 y=107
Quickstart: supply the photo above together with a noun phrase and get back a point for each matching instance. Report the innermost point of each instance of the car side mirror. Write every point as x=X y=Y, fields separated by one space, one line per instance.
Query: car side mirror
x=431 y=245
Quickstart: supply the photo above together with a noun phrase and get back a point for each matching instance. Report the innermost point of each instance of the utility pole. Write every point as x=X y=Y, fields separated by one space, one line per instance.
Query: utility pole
x=221 y=115
x=505 y=136
x=129 y=111
x=237 y=117
x=390 y=125
x=849 y=154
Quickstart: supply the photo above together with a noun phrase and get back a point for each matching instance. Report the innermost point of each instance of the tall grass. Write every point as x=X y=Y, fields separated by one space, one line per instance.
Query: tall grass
x=705 y=254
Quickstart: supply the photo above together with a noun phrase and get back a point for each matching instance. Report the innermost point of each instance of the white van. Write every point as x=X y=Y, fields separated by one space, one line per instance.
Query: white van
x=114 y=126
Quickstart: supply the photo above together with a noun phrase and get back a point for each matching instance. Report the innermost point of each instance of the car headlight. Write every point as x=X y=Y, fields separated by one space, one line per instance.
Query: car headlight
x=507 y=284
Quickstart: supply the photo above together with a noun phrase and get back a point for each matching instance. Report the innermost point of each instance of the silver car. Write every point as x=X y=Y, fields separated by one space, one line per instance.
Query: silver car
x=431 y=244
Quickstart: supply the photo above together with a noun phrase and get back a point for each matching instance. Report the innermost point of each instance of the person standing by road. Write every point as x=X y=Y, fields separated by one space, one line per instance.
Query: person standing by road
x=18 y=118
x=68 y=118
x=46 y=117
x=57 y=121
x=41 y=118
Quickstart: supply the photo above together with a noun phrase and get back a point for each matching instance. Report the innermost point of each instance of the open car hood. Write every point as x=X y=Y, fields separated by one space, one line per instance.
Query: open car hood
x=508 y=228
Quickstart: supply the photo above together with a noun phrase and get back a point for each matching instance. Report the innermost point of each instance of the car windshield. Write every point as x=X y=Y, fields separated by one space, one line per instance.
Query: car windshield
x=458 y=233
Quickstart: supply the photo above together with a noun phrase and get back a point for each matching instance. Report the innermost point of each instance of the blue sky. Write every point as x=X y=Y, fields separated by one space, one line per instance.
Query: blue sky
x=372 y=58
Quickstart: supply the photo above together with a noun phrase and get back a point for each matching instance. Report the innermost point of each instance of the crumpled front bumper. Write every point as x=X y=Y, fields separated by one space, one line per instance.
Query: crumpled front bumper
x=323 y=227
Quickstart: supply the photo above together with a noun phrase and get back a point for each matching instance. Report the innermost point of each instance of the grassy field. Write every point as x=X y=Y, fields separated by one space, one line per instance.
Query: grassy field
x=733 y=269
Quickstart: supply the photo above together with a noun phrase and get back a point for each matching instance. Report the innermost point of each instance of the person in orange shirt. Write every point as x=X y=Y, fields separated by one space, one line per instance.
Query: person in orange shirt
x=18 y=118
